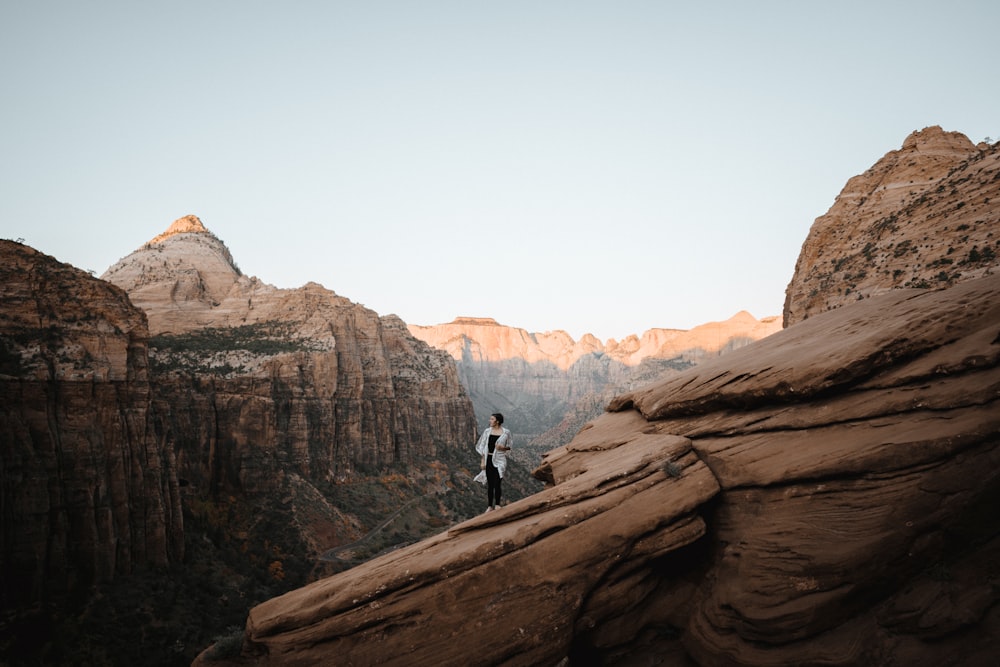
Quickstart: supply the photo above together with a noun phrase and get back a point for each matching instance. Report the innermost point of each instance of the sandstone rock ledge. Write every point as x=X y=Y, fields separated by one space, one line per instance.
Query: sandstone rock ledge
x=826 y=496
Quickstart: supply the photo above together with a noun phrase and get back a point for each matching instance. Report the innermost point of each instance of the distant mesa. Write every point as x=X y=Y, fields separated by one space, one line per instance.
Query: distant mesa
x=553 y=385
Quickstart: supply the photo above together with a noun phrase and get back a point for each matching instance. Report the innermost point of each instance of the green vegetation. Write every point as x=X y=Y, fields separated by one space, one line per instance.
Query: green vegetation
x=671 y=469
x=264 y=338
x=397 y=509
x=242 y=550
x=887 y=224
x=227 y=645
x=903 y=248
x=205 y=350
x=979 y=255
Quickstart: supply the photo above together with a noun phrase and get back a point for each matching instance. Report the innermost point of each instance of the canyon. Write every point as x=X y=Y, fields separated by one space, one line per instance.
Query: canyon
x=185 y=446
x=176 y=421
x=549 y=385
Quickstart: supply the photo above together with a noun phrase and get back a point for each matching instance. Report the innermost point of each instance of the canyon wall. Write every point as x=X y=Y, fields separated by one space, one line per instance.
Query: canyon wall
x=89 y=487
x=926 y=215
x=206 y=412
x=549 y=385
x=258 y=381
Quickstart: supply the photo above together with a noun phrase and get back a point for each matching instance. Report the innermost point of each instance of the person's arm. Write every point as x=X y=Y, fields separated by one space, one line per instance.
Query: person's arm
x=509 y=442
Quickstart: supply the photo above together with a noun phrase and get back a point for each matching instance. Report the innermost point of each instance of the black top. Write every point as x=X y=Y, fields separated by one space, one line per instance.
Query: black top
x=493 y=442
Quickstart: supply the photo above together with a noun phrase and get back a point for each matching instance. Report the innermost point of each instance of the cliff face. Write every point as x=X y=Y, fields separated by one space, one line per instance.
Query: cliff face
x=550 y=385
x=823 y=496
x=244 y=434
x=258 y=381
x=89 y=487
x=927 y=215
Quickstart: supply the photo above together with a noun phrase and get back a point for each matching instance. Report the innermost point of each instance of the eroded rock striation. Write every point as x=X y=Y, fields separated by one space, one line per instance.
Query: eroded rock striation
x=826 y=495
x=89 y=488
x=926 y=215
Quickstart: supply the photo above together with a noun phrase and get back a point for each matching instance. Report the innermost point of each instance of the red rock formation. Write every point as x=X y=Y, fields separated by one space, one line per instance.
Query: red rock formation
x=482 y=339
x=256 y=381
x=823 y=496
x=88 y=489
x=927 y=215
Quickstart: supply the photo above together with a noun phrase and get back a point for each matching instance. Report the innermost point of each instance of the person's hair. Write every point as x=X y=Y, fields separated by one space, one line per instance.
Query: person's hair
x=498 y=417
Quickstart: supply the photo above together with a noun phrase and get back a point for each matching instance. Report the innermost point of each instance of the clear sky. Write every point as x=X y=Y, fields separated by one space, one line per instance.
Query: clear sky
x=602 y=167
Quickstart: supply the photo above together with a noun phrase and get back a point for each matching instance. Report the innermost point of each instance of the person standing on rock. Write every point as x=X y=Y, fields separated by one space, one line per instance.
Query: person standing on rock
x=493 y=446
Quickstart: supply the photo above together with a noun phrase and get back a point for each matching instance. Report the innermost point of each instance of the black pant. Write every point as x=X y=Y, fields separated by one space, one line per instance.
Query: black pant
x=493 y=480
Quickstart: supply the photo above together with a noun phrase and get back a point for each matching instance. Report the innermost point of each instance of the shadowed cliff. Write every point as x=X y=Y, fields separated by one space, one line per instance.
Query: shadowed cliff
x=89 y=489
x=158 y=485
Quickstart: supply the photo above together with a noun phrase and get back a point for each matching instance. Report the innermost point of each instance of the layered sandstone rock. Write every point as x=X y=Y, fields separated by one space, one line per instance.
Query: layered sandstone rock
x=823 y=496
x=550 y=385
x=482 y=339
x=257 y=381
x=927 y=215
x=89 y=488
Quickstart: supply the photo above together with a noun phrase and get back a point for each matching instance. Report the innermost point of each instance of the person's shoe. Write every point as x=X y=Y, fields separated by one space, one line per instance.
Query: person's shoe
x=488 y=509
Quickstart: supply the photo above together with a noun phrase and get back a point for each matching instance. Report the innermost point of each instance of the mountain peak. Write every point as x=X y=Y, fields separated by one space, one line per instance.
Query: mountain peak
x=935 y=138
x=179 y=276
x=189 y=224
x=923 y=216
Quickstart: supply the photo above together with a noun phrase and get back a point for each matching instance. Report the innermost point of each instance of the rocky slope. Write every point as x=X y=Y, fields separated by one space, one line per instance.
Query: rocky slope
x=823 y=496
x=927 y=215
x=549 y=385
x=89 y=488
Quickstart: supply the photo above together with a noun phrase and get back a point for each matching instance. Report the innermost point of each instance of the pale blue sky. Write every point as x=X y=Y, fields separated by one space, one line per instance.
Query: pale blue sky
x=602 y=167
